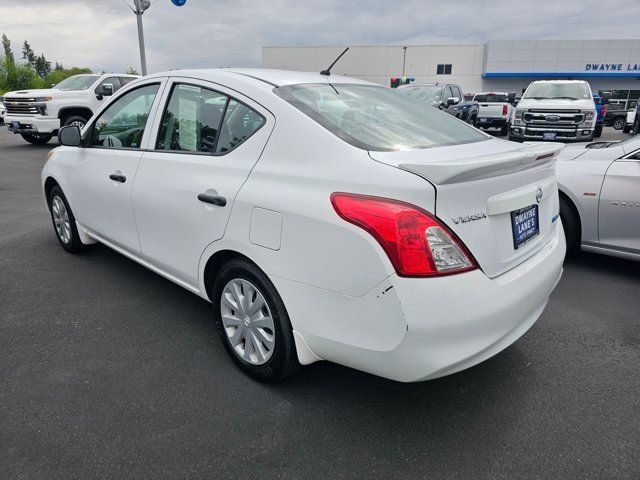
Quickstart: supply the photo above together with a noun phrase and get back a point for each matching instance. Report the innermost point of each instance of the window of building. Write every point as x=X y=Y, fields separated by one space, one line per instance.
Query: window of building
x=444 y=69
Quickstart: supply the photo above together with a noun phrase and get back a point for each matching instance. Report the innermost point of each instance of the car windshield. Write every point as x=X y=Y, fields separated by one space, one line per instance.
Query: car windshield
x=77 y=82
x=377 y=118
x=490 y=98
x=570 y=91
x=426 y=93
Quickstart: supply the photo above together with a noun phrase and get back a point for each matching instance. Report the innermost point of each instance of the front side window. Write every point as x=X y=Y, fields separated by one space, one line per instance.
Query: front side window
x=377 y=118
x=113 y=81
x=201 y=120
x=122 y=124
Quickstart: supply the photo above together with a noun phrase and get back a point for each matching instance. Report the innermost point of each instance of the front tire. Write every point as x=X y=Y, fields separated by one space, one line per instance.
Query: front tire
x=597 y=133
x=75 y=120
x=252 y=322
x=64 y=222
x=570 y=224
x=37 y=138
x=504 y=131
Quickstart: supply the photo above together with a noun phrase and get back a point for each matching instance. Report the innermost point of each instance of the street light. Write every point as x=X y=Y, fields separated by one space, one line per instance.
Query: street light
x=140 y=6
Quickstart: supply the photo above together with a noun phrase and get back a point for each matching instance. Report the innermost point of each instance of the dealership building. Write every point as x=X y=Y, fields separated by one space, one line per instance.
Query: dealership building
x=502 y=65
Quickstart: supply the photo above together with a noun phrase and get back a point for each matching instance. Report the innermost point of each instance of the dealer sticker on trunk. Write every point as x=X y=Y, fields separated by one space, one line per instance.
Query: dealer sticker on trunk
x=525 y=225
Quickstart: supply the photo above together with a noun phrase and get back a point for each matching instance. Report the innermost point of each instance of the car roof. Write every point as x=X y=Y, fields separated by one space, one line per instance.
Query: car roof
x=268 y=77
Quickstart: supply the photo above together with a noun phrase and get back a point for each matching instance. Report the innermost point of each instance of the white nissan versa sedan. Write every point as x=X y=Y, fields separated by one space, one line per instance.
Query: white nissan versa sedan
x=324 y=217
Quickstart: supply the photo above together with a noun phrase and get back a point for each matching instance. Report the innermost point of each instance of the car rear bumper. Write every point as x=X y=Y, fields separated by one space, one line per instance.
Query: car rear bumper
x=410 y=329
x=31 y=124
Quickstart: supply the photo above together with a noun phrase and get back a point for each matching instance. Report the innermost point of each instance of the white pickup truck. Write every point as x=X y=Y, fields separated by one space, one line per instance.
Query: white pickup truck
x=494 y=110
x=38 y=114
x=555 y=110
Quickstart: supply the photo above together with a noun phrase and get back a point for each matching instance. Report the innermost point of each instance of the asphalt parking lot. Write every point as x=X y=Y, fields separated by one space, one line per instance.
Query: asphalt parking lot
x=110 y=371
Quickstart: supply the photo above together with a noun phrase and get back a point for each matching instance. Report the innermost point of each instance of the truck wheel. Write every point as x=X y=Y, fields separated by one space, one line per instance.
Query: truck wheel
x=504 y=131
x=619 y=123
x=77 y=120
x=597 y=133
x=636 y=126
x=626 y=128
x=37 y=138
x=473 y=120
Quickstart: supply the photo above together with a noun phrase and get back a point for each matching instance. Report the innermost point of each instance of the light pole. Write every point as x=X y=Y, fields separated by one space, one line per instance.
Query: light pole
x=404 y=57
x=140 y=7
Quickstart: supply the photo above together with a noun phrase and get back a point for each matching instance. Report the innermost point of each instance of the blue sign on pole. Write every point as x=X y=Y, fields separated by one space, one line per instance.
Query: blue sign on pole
x=178 y=3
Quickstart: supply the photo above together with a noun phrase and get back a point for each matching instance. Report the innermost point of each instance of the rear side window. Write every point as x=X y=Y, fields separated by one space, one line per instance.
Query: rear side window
x=205 y=121
x=491 y=98
x=240 y=122
x=377 y=118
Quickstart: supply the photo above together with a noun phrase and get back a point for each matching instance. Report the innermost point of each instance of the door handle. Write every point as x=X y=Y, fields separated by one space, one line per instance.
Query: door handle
x=118 y=178
x=213 y=199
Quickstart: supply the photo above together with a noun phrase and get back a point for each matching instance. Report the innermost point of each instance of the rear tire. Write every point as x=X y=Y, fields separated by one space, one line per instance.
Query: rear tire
x=64 y=222
x=260 y=342
x=504 y=131
x=626 y=128
x=570 y=224
x=473 y=121
x=37 y=138
x=619 y=123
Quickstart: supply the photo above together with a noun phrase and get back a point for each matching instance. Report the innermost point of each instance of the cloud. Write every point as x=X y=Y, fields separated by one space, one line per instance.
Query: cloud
x=102 y=34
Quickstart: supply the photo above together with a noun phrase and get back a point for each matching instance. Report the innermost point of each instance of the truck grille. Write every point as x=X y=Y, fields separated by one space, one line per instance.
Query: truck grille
x=563 y=122
x=21 y=106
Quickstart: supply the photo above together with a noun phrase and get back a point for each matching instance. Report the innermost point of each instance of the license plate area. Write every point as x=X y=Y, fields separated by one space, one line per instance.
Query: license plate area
x=549 y=135
x=524 y=225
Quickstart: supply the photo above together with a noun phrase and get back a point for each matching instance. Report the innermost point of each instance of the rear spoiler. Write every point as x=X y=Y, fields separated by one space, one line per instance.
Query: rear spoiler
x=485 y=166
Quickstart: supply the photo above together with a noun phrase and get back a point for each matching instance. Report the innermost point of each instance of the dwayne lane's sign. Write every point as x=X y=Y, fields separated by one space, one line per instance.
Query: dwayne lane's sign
x=612 y=67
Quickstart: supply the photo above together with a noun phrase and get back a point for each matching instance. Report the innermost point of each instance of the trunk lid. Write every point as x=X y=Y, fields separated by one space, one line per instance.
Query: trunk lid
x=479 y=185
x=491 y=110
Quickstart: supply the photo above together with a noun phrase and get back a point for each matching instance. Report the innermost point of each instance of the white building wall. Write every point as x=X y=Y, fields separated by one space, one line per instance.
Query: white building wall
x=380 y=63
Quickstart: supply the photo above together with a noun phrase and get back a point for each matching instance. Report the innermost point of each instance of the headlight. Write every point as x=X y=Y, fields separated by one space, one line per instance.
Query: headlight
x=42 y=99
x=517 y=117
x=589 y=117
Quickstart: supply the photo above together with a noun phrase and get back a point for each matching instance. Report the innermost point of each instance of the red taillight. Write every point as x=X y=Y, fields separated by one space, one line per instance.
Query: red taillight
x=505 y=110
x=416 y=242
x=603 y=111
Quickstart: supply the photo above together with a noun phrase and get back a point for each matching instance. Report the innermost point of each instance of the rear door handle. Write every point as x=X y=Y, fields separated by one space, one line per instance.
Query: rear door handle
x=118 y=178
x=213 y=199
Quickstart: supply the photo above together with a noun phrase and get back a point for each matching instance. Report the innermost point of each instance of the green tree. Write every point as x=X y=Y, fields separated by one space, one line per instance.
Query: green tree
x=42 y=66
x=28 y=54
x=132 y=71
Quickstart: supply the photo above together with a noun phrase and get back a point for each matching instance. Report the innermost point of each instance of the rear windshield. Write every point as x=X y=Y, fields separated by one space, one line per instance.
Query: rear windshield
x=377 y=118
x=490 y=98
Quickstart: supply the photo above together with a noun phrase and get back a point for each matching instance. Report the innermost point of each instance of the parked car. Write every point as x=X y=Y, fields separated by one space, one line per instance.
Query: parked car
x=616 y=116
x=555 y=110
x=494 y=110
x=38 y=114
x=305 y=212
x=445 y=96
x=2 y=110
x=600 y=197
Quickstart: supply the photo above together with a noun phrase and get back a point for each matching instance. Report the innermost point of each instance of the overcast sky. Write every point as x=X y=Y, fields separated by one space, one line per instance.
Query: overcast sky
x=101 y=34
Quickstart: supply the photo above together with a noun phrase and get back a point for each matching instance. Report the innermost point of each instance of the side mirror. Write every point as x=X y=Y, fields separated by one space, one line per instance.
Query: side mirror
x=69 y=136
x=452 y=101
x=104 y=90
